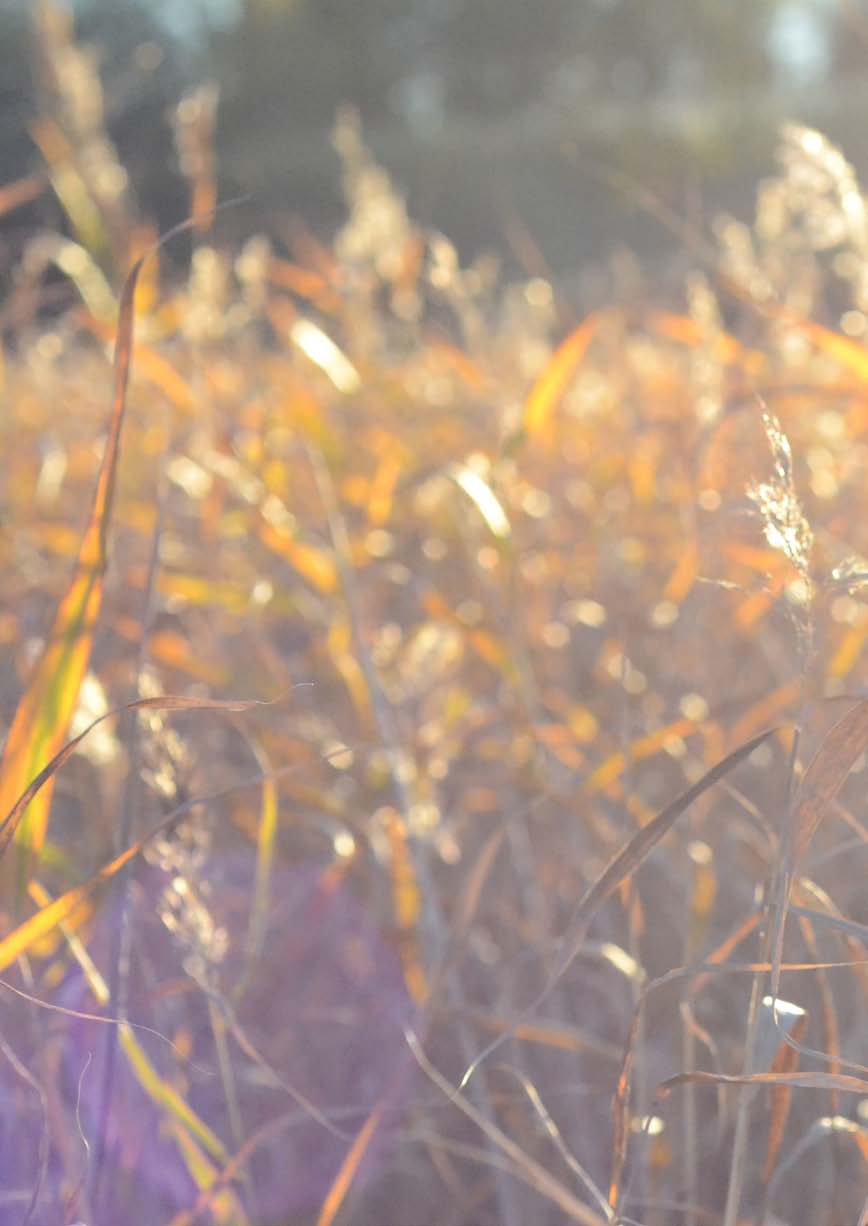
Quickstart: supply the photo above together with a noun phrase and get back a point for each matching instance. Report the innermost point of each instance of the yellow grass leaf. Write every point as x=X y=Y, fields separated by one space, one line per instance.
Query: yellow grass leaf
x=642 y=747
x=166 y=1096
x=67 y=907
x=69 y=186
x=347 y=1173
x=768 y=708
x=382 y=489
x=312 y=563
x=200 y=591
x=765 y=561
x=158 y=371
x=407 y=905
x=340 y=646
x=686 y=331
x=170 y=648
x=755 y=606
x=225 y=1208
x=684 y=575
x=46 y=707
x=71 y=906
x=848 y=651
x=848 y=353
x=548 y=391
x=266 y=835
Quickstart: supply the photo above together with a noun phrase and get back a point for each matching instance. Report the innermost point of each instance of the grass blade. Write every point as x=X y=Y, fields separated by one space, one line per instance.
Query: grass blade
x=167 y=1097
x=825 y=775
x=47 y=705
x=640 y=847
x=552 y=383
x=348 y=1169
x=624 y=864
x=266 y=836
x=803 y=1080
x=22 y=191
x=166 y=702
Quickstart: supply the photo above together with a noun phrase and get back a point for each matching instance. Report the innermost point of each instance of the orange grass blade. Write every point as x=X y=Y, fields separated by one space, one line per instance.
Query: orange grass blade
x=643 y=747
x=167 y=702
x=767 y=708
x=338 y=1191
x=312 y=563
x=555 y=378
x=686 y=331
x=22 y=191
x=156 y=369
x=786 y=1061
x=385 y=480
x=48 y=703
x=65 y=907
x=685 y=573
x=849 y=649
x=848 y=353
x=406 y=907
x=551 y=1034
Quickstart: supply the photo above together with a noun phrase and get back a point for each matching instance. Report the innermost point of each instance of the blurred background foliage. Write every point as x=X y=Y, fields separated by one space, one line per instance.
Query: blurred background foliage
x=503 y=121
x=385 y=476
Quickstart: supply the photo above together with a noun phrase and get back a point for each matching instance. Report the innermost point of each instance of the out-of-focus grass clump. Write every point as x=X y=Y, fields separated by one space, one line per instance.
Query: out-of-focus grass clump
x=471 y=596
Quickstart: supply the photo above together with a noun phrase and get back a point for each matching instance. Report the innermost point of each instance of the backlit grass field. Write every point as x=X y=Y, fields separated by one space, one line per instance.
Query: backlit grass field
x=479 y=836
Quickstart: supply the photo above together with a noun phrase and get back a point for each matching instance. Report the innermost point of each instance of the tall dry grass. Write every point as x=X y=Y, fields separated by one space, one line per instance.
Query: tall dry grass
x=461 y=714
